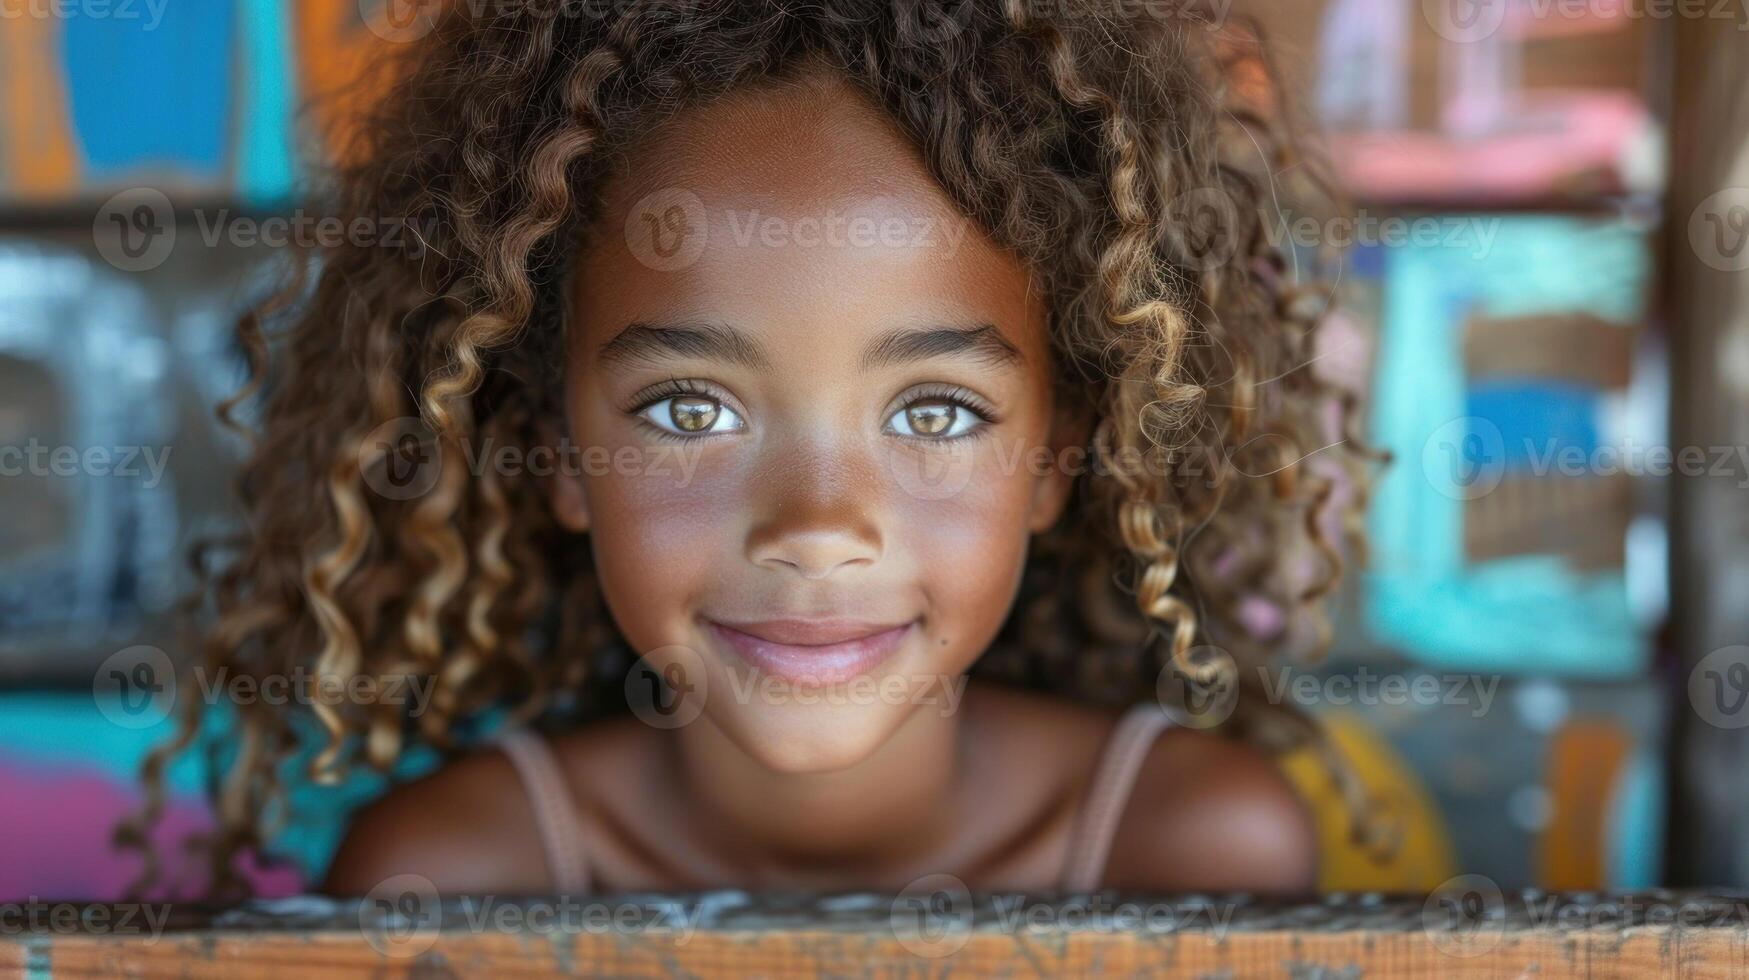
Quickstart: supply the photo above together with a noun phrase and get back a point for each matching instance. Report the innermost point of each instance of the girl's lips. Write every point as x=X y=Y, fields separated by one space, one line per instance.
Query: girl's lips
x=814 y=652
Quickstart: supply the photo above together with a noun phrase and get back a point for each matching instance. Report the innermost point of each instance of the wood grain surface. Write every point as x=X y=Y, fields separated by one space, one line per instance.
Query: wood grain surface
x=1466 y=930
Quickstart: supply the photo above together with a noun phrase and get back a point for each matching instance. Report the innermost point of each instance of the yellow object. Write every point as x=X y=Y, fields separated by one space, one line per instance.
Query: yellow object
x=1423 y=857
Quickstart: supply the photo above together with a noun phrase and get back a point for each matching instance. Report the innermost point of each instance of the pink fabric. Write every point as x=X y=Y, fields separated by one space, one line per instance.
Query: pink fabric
x=1102 y=809
x=1557 y=140
x=555 y=811
x=58 y=824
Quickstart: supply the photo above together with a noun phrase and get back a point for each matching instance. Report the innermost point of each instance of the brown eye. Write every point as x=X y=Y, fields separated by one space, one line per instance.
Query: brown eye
x=693 y=414
x=935 y=417
x=931 y=418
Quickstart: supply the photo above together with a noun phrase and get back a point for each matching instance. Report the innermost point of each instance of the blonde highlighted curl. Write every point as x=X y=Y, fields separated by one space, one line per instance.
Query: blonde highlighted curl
x=1120 y=148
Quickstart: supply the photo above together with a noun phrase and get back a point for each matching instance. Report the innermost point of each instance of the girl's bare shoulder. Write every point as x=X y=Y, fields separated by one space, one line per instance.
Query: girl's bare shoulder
x=469 y=826
x=1207 y=812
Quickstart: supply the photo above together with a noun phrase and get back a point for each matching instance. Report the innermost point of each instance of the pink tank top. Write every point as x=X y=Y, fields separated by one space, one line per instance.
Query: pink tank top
x=561 y=829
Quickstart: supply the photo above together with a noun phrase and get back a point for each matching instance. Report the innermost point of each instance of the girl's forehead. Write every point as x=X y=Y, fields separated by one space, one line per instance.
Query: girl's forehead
x=803 y=145
x=804 y=200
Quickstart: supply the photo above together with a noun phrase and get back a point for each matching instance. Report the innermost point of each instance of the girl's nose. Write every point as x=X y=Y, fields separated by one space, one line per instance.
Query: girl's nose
x=821 y=516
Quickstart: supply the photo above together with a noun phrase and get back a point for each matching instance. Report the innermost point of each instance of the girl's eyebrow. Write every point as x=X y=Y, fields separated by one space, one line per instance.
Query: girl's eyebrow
x=646 y=341
x=982 y=342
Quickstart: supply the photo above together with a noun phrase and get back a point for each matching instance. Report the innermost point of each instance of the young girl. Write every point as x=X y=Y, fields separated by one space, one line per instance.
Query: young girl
x=804 y=357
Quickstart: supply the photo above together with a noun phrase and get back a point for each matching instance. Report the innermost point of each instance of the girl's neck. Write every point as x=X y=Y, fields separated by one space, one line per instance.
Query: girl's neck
x=889 y=810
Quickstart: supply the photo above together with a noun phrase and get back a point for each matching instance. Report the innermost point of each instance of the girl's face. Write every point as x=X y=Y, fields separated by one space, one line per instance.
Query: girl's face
x=811 y=401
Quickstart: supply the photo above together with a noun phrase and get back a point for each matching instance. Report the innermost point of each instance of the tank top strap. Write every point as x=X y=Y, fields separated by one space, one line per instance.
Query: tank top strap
x=1102 y=808
x=555 y=810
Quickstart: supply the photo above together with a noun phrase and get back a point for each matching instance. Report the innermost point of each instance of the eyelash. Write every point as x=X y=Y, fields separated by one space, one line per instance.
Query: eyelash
x=955 y=395
x=673 y=388
x=958 y=397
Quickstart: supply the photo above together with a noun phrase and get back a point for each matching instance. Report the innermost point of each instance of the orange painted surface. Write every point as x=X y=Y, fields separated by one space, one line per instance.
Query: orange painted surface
x=1586 y=759
x=336 y=51
x=38 y=153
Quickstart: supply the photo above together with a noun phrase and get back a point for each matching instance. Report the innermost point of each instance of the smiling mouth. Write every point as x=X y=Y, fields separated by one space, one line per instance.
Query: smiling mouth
x=813 y=652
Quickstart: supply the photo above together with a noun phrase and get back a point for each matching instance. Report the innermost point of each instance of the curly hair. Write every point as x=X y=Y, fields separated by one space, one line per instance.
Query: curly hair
x=1126 y=152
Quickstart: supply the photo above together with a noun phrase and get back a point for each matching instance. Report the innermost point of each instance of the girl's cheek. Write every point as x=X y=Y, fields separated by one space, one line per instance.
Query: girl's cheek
x=659 y=530
x=970 y=546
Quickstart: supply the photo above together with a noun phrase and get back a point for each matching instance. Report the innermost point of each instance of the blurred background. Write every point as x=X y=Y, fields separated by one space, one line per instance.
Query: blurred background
x=1541 y=675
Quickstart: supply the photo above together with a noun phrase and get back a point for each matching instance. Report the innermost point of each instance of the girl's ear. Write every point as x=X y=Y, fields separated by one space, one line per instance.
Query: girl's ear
x=564 y=484
x=1050 y=492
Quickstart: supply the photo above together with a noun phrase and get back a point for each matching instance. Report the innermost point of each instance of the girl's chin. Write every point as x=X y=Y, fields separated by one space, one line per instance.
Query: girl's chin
x=800 y=740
